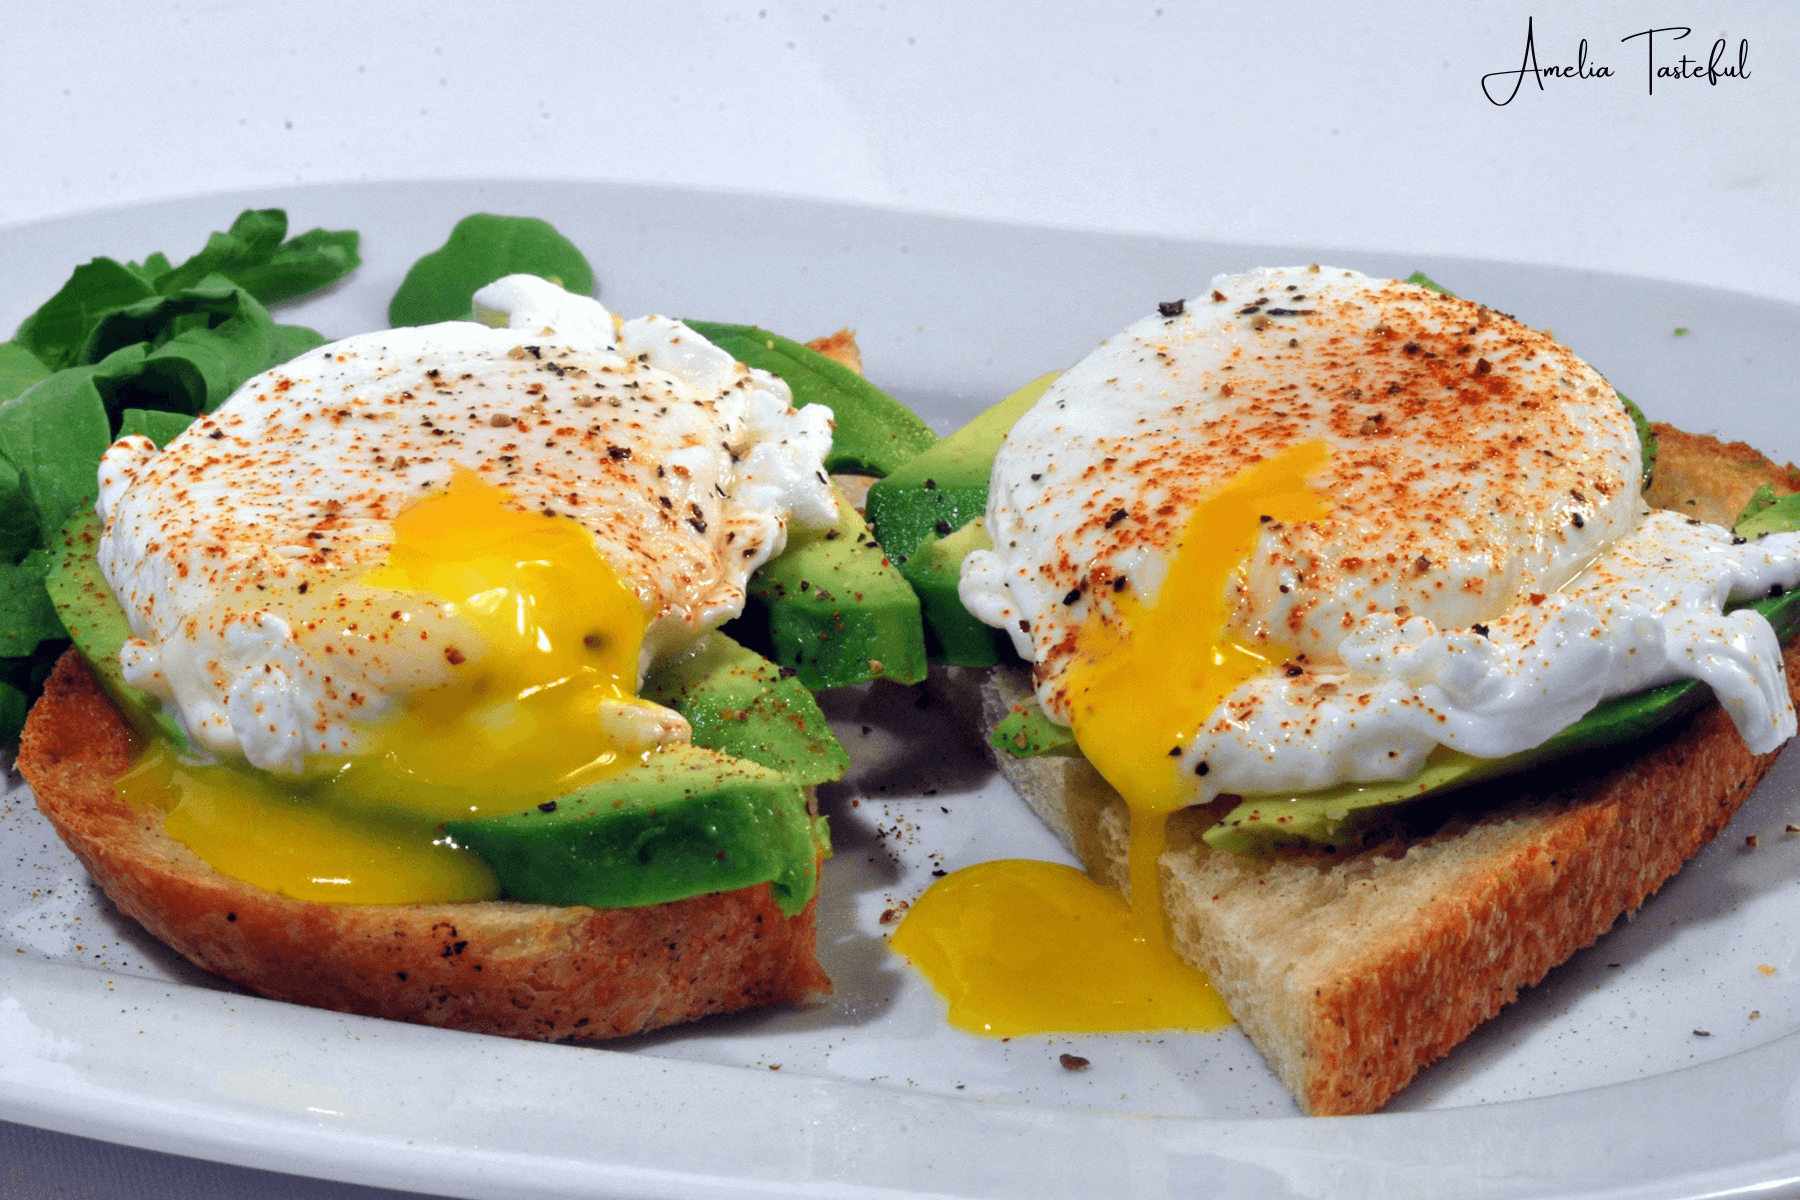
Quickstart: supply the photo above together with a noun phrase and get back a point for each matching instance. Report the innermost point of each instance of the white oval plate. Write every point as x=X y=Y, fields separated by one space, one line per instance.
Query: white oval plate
x=1662 y=1062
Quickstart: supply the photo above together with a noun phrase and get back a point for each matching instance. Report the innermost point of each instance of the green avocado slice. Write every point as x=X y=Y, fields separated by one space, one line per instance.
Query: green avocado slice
x=1337 y=815
x=920 y=512
x=1027 y=732
x=689 y=822
x=1329 y=817
x=97 y=624
x=944 y=488
x=952 y=634
x=741 y=705
x=832 y=608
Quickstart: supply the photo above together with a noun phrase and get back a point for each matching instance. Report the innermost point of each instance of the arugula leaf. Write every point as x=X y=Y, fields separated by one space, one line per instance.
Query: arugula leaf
x=26 y=615
x=301 y=266
x=1646 y=438
x=253 y=255
x=18 y=525
x=56 y=331
x=875 y=433
x=19 y=369
x=54 y=435
x=291 y=341
x=151 y=269
x=13 y=706
x=482 y=248
x=206 y=304
x=159 y=426
x=21 y=679
x=250 y=255
x=186 y=352
x=31 y=635
x=252 y=239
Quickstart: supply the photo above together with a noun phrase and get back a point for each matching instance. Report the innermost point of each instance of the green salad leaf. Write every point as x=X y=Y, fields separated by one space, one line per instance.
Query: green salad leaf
x=53 y=435
x=56 y=331
x=27 y=617
x=188 y=351
x=160 y=427
x=481 y=249
x=19 y=369
x=1646 y=438
x=1426 y=282
x=251 y=255
x=256 y=254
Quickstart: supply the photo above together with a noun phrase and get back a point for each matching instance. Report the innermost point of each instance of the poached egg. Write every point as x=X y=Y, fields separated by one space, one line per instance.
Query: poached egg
x=1303 y=530
x=426 y=569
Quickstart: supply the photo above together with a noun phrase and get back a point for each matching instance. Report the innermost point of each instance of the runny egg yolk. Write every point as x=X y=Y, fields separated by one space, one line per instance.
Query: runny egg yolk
x=541 y=703
x=1021 y=947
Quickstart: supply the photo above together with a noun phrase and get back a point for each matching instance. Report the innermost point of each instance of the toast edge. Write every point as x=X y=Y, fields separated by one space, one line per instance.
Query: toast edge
x=514 y=969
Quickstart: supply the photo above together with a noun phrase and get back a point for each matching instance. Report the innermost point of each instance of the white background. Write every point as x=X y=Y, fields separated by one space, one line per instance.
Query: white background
x=1355 y=125
x=1360 y=126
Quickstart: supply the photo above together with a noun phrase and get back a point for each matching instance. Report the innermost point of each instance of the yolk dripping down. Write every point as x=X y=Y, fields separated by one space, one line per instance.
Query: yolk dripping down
x=1025 y=947
x=543 y=704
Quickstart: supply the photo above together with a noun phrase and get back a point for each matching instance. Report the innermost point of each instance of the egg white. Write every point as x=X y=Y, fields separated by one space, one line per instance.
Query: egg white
x=234 y=550
x=1489 y=571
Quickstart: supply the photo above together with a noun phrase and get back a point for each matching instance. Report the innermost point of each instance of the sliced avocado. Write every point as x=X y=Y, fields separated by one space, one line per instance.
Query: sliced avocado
x=688 y=822
x=874 y=433
x=946 y=487
x=95 y=621
x=935 y=495
x=1646 y=438
x=740 y=705
x=1335 y=815
x=833 y=608
x=952 y=635
x=1768 y=513
x=1027 y=733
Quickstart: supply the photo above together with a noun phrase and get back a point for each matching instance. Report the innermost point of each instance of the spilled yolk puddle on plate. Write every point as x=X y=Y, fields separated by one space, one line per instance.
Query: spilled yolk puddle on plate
x=1020 y=947
x=542 y=708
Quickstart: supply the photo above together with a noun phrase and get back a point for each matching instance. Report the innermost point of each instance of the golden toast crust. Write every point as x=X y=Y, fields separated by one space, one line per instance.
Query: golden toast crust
x=521 y=970
x=1471 y=916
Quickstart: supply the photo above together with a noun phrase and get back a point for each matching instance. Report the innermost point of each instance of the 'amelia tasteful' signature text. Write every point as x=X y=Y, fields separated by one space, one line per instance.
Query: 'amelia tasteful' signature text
x=1663 y=61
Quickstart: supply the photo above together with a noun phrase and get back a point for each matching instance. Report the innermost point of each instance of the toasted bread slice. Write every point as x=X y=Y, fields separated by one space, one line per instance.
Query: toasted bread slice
x=1702 y=477
x=522 y=970
x=840 y=346
x=1352 y=970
